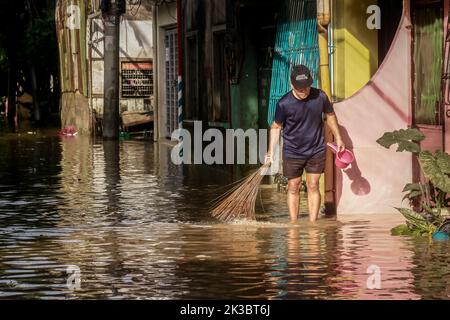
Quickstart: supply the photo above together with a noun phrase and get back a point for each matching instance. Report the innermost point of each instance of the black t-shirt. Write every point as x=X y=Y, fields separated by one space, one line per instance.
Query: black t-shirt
x=302 y=122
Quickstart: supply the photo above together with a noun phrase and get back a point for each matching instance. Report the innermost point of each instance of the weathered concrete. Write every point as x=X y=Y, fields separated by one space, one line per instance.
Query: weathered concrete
x=71 y=32
x=75 y=111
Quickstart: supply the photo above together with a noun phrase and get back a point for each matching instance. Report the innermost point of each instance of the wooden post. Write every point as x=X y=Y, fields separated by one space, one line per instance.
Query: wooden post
x=111 y=114
x=323 y=20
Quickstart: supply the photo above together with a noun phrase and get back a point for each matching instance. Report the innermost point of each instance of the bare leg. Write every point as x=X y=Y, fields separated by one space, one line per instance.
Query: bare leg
x=314 y=198
x=293 y=197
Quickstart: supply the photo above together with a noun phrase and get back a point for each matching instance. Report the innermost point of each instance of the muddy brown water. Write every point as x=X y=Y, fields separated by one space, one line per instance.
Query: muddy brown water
x=127 y=224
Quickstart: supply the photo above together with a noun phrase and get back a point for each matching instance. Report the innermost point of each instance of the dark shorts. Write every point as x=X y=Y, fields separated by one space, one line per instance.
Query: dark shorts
x=293 y=168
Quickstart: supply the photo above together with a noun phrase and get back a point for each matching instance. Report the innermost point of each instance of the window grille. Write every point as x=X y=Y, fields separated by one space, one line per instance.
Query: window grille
x=137 y=80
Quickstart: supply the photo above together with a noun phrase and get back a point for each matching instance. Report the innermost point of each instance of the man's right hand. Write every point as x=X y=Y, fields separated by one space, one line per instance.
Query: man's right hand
x=274 y=139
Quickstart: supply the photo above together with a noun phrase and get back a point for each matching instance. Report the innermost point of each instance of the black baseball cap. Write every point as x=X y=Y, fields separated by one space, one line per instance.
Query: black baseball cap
x=301 y=77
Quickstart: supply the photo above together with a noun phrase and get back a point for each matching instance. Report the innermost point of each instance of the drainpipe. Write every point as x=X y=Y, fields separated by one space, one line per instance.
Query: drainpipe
x=323 y=20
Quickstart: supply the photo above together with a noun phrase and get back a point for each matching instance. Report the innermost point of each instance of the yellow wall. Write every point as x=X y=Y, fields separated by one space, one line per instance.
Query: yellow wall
x=355 y=58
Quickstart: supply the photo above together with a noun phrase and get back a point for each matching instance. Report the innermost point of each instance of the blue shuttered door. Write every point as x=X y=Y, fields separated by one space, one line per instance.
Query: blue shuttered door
x=296 y=43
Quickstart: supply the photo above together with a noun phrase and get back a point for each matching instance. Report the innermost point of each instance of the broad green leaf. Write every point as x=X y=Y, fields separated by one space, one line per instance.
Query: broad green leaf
x=443 y=161
x=401 y=230
x=412 y=195
x=414 y=218
x=435 y=168
x=412 y=187
x=406 y=140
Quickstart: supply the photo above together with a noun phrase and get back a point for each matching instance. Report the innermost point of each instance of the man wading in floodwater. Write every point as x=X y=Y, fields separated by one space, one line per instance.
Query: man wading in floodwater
x=300 y=115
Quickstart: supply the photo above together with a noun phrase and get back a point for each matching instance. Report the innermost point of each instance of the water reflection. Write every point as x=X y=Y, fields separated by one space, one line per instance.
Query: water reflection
x=138 y=227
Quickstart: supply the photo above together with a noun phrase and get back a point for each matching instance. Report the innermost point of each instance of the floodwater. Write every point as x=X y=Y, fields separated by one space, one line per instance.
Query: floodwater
x=88 y=220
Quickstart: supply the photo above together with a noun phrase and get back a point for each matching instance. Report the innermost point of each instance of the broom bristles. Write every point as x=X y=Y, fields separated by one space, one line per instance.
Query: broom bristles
x=239 y=202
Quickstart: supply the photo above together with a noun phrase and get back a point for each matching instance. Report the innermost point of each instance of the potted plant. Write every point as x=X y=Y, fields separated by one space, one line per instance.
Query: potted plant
x=431 y=196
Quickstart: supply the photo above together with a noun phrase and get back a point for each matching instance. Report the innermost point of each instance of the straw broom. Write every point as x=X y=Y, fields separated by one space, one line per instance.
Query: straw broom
x=239 y=202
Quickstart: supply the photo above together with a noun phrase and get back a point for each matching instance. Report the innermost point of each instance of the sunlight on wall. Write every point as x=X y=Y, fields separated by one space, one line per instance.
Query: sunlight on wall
x=355 y=58
x=357 y=62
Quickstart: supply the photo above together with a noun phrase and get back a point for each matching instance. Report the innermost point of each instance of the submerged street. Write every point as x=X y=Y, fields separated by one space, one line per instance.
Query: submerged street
x=136 y=226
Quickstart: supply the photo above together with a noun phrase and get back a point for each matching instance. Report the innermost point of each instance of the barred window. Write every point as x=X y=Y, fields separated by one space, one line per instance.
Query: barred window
x=137 y=79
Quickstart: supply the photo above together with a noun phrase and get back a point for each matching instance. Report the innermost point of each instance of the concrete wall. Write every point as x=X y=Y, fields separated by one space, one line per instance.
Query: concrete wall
x=75 y=111
x=165 y=17
x=374 y=182
x=136 y=44
x=136 y=39
x=81 y=81
x=71 y=34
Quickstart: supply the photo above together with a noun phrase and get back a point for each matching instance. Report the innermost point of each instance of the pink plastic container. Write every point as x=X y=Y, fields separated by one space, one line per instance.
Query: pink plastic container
x=343 y=158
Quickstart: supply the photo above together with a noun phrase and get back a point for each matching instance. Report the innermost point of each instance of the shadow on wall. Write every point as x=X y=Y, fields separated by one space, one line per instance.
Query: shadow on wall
x=360 y=186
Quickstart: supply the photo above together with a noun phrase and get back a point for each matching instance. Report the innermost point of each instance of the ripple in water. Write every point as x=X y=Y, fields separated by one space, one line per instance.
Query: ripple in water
x=138 y=227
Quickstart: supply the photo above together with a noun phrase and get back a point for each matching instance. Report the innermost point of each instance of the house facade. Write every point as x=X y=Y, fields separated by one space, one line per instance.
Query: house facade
x=386 y=61
x=409 y=89
x=226 y=63
x=81 y=41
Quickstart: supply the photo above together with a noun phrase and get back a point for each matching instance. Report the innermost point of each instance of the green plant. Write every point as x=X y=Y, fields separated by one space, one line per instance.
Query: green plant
x=405 y=139
x=413 y=191
x=431 y=195
x=417 y=223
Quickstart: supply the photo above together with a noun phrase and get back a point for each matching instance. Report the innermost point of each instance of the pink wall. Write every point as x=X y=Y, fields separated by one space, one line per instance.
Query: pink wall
x=374 y=182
